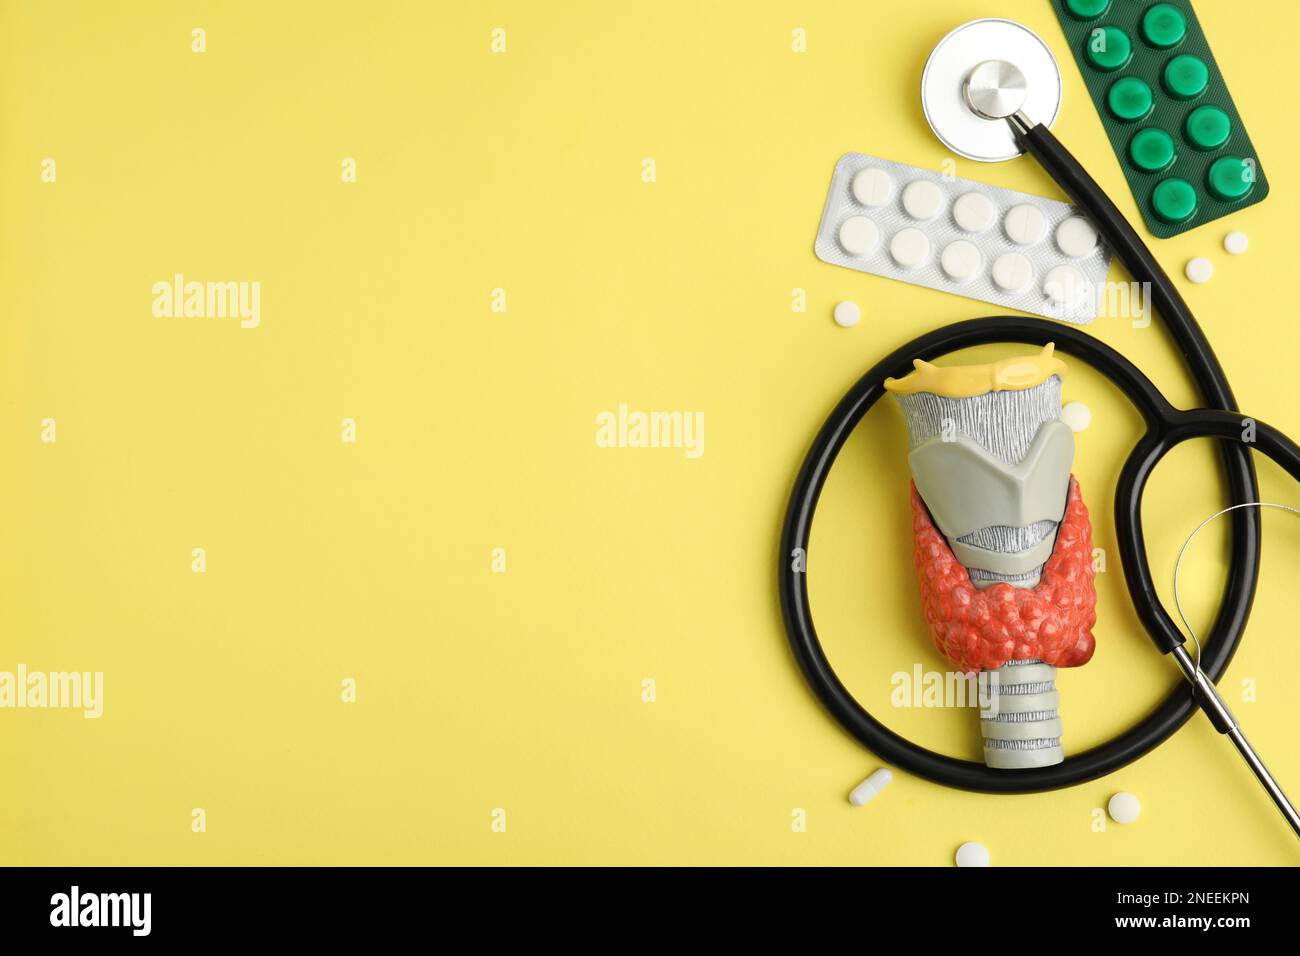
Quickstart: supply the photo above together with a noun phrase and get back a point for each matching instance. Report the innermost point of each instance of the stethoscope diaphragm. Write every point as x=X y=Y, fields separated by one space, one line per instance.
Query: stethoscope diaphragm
x=949 y=68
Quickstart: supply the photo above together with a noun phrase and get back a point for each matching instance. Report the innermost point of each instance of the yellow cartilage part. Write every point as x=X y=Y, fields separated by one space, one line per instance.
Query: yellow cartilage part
x=966 y=381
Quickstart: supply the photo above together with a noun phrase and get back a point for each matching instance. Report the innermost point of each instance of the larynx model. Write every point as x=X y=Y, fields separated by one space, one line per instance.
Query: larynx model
x=1003 y=545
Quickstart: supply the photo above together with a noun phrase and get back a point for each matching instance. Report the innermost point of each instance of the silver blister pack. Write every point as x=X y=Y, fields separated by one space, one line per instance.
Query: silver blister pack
x=999 y=246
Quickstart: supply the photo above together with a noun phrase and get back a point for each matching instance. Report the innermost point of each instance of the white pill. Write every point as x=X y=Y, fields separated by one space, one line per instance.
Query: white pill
x=872 y=187
x=1012 y=272
x=1076 y=237
x=972 y=854
x=1025 y=224
x=847 y=314
x=1124 y=807
x=909 y=247
x=974 y=212
x=1077 y=416
x=1236 y=242
x=1065 y=286
x=859 y=235
x=960 y=260
x=1200 y=269
x=868 y=788
x=922 y=199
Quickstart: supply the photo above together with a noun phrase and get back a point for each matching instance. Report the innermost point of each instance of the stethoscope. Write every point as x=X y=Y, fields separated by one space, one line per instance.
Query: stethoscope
x=976 y=106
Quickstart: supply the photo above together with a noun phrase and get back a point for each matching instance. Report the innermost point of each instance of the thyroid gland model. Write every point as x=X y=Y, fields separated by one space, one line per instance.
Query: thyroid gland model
x=1003 y=546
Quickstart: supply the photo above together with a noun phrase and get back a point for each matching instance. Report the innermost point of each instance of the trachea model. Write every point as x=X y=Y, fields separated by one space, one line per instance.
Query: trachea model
x=1003 y=545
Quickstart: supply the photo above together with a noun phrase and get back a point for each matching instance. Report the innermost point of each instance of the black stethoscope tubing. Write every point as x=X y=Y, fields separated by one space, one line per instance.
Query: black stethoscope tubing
x=1166 y=428
x=1206 y=372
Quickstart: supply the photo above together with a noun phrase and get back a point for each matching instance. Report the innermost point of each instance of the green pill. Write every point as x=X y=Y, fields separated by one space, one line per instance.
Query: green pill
x=1208 y=127
x=1231 y=177
x=1129 y=99
x=1164 y=25
x=1174 y=200
x=1151 y=150
x=1108 y=48
x=1186 y=76
x=1087 y=9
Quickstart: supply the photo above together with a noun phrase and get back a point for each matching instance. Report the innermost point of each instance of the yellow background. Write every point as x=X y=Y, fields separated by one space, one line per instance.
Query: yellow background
x=371 y=561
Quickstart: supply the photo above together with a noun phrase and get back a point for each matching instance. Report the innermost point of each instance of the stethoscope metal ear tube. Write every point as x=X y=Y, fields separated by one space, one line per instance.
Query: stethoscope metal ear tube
x=1225 y=723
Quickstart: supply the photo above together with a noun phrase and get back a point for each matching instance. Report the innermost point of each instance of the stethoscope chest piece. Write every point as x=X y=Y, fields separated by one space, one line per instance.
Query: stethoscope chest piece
x=992 y=67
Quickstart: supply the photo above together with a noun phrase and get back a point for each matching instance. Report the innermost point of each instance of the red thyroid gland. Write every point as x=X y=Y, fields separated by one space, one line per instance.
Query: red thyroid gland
x=983 y=629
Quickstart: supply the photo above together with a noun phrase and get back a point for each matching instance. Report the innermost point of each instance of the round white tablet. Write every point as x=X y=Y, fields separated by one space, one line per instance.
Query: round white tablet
x=859 y=235
x=1025 y=224
x=847 y=314
x=1077 y=416
x=972 y=854
x=1012 y=272
x=1065 y=286
x=960 y=260
x=909 y=247
x=1076 y=237
x=872 y=187
x=1236 y=242
x=1124 y=807
x=1200 y=269
x=974 y=212
x=922 y=199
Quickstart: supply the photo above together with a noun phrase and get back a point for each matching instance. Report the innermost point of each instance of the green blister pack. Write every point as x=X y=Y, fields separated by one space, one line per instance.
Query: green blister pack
x=1164 y=104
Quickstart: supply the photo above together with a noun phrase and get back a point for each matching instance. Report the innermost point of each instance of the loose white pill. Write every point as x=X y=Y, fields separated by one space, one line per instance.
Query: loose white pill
x=909 y=247
x=1065 y=286
x=974 y=212
x=972 y=854
x=1076 y=237
x=847 y=314
x=1025 y=224
x=1077 y=416
x=1200 y=269
x=1124 y=807
x=922 y=199
x=960 y=260
x=1012 y=272
x=872 y=187
x=868 y=788
x=1236 y=242
x=859 y=235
